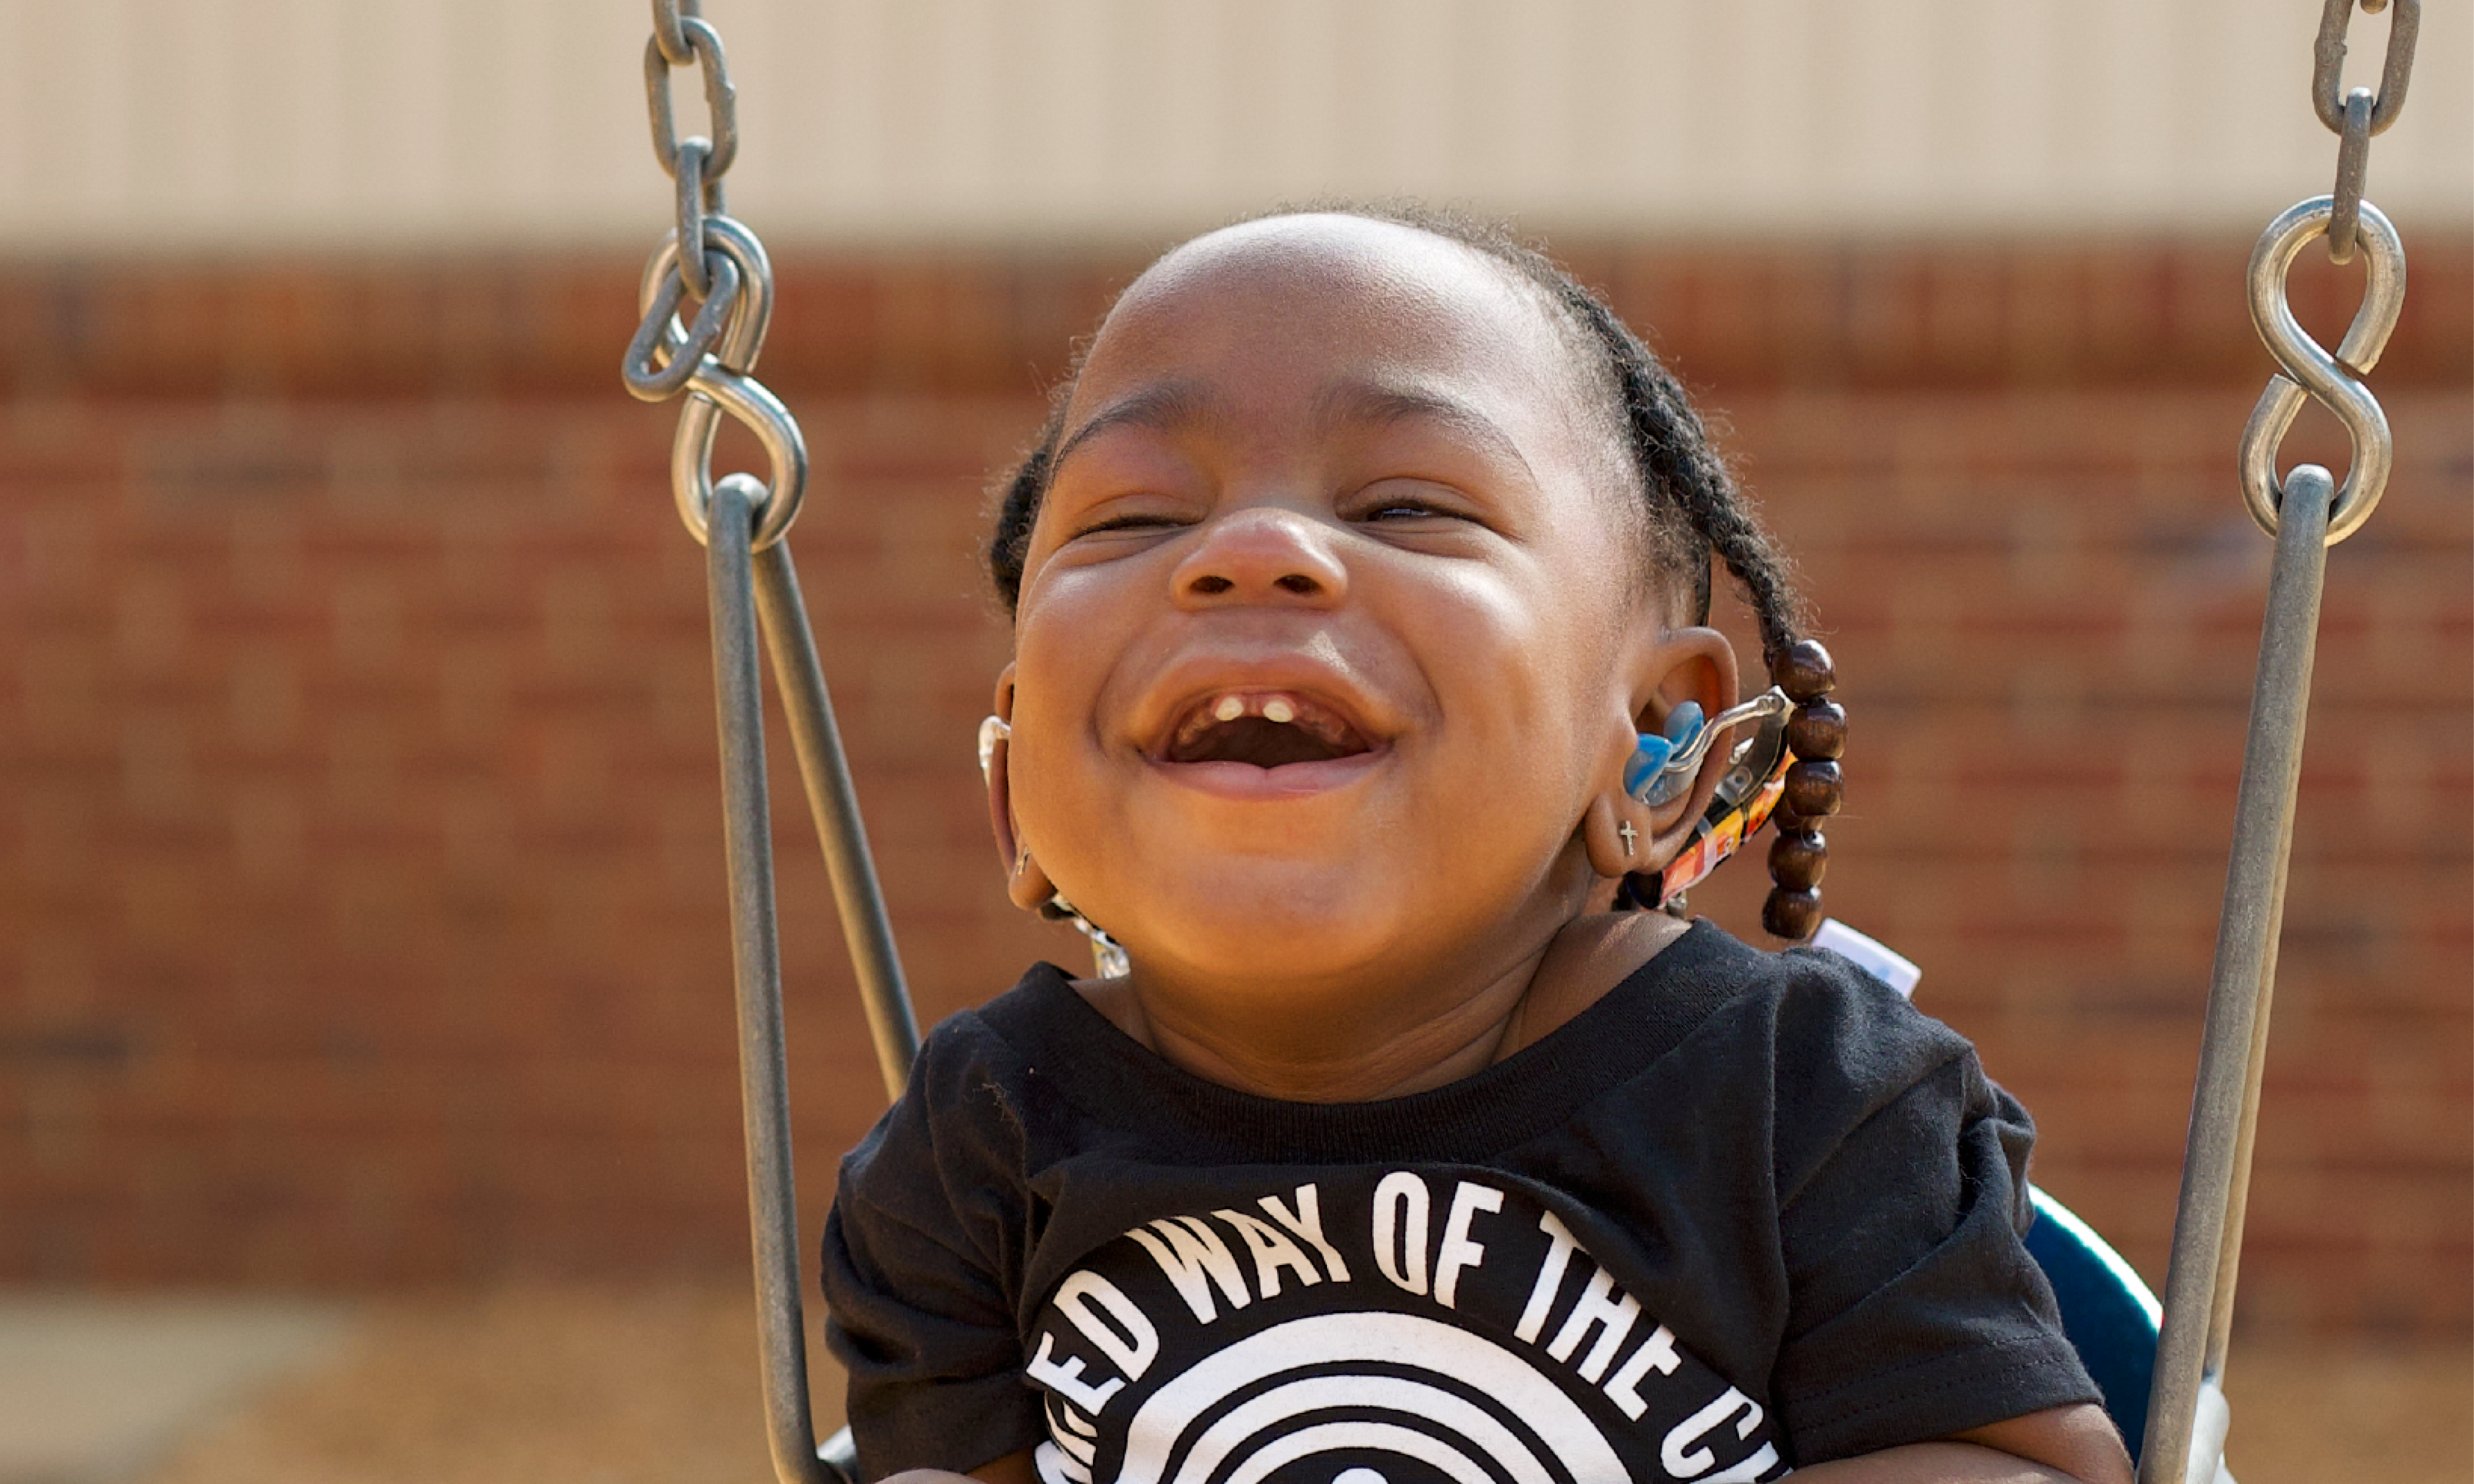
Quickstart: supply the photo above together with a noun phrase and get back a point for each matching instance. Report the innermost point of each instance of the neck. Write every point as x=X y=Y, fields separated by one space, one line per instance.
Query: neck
x=1353 y=1040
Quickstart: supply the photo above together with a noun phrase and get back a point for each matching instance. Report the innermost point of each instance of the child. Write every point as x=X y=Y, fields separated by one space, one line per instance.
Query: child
x=1360 y=585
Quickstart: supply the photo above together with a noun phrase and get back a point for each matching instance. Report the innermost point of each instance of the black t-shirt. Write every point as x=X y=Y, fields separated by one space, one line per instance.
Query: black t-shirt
x=1746 y=1211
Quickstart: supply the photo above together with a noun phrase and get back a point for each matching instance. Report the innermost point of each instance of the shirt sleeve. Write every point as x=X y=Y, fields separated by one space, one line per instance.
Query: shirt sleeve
x=1915 y=1311
x=916 y=1304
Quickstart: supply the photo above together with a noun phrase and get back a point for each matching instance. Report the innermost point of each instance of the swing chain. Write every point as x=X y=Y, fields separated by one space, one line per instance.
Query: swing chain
x=669 y=31
x=2354 y=116
x=680 y=38
x=2328 y=61
x=712 y=258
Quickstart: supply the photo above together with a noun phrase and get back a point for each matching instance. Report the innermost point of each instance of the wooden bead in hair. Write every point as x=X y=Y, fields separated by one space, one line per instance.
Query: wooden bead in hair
x=1803 y=671
x=1817 y=730
x=1791 y=914
x=1799 y=860
x=1816 y=734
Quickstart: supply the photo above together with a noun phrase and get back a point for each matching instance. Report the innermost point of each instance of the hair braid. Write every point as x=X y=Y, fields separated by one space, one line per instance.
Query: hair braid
x=1677 y=460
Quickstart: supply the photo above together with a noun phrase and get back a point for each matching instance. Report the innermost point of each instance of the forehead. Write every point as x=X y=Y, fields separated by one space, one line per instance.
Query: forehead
x=1289 y=307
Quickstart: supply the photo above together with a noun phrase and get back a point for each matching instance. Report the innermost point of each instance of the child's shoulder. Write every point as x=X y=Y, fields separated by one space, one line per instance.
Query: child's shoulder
x=1805 y=1006
x=1013 y=1022
x=966 y=1102
x=1822 y=1041
x=1833 y=1012
x=1860 y=1080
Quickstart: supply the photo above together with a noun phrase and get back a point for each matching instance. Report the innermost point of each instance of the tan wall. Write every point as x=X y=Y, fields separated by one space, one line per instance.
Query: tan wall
x=382 y=124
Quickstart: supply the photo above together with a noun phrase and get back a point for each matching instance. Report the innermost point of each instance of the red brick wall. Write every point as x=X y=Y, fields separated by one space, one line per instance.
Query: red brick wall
x=360 y=905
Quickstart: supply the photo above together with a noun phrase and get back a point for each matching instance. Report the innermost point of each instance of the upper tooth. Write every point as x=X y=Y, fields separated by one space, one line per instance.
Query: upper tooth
x=1229 y=709
x=1279 y=711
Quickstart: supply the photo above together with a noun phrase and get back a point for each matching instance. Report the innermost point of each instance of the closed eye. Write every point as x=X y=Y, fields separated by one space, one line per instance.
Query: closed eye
x=1410 y=510
x=1407 y=502
x=1133 y=522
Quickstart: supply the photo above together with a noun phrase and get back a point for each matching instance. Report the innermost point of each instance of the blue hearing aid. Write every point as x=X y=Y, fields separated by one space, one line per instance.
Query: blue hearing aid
x=1650 y=776
x=1662 y=768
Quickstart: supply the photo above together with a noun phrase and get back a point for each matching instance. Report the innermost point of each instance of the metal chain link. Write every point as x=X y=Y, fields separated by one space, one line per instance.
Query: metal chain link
x=2354 y=116
x=667 y=33
x=720 y=98
x=712 y=257
x=697 y=163
x=2328 y=61
x=2348 y=222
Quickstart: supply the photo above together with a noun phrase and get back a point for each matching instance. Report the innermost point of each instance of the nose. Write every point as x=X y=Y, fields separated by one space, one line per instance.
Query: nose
x=1262 y=555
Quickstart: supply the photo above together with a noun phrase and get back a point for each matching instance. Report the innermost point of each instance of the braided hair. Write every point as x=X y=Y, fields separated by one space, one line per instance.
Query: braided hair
x=1693 y=508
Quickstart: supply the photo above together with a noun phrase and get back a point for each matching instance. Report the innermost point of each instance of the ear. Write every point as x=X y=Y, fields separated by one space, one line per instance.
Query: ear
x=1696 y=665
x=1027 y=886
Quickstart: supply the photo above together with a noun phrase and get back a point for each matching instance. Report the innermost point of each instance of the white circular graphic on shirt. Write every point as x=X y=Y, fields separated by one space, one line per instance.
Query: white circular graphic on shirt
x=1458 y=1405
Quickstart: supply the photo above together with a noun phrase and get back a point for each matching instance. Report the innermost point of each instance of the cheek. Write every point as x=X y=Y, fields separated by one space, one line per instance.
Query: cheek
x=1066 y=648
x=1052 y=685
x=1528 y=659
x=1055 y=794
x=1071 y=624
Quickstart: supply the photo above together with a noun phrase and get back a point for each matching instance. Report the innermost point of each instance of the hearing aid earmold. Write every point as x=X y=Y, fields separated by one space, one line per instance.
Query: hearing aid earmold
x=1662 y=768
x=994 y=733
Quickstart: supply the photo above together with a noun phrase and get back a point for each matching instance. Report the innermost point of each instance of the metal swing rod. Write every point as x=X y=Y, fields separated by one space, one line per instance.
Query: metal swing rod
x=749 y=591
x=2307 y=511
x=753 y=589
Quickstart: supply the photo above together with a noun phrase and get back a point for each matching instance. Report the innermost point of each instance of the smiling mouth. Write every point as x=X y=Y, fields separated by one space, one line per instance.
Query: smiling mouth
x=1265 y=728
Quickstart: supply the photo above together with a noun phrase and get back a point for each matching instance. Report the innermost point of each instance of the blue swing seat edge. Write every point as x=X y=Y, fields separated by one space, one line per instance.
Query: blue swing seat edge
x=2109 y=1314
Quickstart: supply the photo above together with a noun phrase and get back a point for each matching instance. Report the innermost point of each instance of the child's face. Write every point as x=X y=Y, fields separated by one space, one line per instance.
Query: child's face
x=1332 y=624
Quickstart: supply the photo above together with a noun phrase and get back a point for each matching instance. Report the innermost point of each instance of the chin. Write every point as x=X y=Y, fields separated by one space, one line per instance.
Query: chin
x=1273 y=924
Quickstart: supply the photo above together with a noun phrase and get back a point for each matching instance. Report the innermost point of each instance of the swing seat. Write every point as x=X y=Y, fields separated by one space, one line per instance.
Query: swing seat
x=2110 y=1316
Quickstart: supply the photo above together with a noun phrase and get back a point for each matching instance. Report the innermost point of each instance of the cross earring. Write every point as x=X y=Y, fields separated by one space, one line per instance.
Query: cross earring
x=1629 y=835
